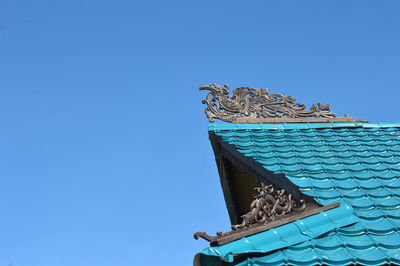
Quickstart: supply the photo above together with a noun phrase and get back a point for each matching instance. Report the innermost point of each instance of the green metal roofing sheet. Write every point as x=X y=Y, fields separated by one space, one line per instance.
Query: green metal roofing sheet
x=354 y=163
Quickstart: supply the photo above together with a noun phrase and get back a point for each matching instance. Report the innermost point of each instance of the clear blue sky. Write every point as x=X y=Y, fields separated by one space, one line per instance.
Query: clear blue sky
x=104 y=152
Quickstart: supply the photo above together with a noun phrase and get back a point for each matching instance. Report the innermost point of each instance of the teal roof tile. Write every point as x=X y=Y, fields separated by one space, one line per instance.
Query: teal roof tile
x=392 y=254
x=379 y=226
x=337 y=256
x=329 y=242
x=355 y=229
x=354 y=193
x=391 y=241
x=370 y=256
x=302 y=257
x=363 y=203
x=372 y=215
x=357 y=242
x=394 y=213
x=277 y=258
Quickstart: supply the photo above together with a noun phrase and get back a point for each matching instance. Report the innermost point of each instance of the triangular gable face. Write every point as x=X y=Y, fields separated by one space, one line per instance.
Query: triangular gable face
x=259 y=198
x=241 y=175
x=341 y=161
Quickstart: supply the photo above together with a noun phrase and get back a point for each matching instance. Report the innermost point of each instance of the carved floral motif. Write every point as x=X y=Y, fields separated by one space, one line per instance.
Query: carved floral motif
x=268 y=205
x=252 y=103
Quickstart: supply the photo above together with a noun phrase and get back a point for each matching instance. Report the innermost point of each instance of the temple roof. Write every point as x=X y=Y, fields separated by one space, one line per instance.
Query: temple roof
x=354 y=163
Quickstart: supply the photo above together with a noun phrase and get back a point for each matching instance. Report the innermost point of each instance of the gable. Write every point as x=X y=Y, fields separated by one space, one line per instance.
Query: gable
x=354 y=163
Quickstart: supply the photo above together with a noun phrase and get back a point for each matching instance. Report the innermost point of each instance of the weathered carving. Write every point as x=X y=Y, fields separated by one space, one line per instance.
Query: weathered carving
x=205 y=236
x=254 y=105
x=268 y=205
x=270 y=208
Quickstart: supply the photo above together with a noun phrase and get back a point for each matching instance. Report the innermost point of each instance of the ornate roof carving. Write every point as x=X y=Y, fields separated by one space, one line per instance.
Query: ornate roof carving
x=268 y=205
x=248 y=105
x=270 y=208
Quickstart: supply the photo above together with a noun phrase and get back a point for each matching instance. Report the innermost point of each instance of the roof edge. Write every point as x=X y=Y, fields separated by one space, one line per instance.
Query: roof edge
x=283 y=236
x=284 y=126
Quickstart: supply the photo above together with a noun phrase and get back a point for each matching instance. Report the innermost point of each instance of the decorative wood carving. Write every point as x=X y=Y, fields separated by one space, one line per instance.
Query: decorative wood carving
x=248 y=105
x=268 y=205
x=270 y=208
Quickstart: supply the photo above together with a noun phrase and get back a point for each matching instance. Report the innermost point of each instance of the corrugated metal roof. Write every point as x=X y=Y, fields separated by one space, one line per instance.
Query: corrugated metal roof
x=355 y=163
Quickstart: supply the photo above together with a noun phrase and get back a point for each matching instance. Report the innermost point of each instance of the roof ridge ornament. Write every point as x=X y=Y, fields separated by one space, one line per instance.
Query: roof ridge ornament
x=249 y=105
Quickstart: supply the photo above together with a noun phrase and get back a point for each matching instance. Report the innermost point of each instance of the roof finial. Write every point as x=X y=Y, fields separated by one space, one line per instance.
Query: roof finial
x=248 y=105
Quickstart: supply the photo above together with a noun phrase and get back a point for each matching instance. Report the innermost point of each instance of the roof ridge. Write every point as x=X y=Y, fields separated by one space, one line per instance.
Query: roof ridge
x=289 y=126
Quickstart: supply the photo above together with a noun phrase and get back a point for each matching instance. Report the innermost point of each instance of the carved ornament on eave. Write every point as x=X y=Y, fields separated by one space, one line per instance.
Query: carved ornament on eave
x=270 y=208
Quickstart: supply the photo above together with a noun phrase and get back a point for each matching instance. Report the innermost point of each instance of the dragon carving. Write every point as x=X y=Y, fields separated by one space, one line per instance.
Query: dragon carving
x=268 y=205
x=252 y=103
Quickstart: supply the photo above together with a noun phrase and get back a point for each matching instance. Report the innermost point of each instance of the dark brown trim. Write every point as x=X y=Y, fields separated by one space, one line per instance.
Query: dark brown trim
x=235 y=235
x=244 y=120
x=226 y=180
